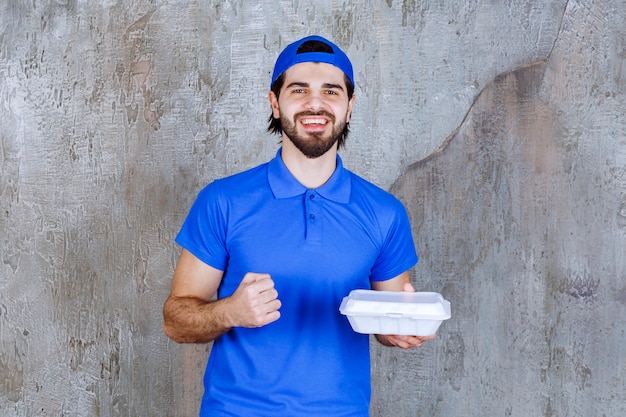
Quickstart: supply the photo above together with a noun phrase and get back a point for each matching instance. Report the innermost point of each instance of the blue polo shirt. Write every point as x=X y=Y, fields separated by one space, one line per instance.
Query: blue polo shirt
x=317 y=245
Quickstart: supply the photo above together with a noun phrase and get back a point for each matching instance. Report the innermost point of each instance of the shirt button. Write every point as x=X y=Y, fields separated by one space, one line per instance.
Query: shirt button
x=312 y=217
x=312 y=196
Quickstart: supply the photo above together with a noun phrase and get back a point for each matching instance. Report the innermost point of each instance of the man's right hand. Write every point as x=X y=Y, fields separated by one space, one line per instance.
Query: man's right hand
x=191 y=315
x=255 y=303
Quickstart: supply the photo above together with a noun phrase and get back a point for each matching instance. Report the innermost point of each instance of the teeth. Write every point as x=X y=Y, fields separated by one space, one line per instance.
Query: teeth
x=314 y=122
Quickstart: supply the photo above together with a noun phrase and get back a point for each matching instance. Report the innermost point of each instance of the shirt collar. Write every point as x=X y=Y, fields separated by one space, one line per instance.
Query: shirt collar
x=285 y=185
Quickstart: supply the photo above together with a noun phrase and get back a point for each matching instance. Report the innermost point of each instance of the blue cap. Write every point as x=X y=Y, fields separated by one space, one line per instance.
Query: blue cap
x=289 y=57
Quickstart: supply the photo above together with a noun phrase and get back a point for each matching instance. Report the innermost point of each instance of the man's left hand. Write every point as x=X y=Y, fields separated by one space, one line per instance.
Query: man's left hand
x=404 y=342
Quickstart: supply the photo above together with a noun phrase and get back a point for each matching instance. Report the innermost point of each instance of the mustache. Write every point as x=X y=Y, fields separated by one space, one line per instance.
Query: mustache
x=315 y=113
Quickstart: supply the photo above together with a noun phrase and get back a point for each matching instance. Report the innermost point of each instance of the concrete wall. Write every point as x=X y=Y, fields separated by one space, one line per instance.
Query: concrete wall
x=500 y=124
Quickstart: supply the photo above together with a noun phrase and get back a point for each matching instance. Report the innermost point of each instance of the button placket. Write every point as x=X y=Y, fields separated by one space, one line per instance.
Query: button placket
x=313 y=219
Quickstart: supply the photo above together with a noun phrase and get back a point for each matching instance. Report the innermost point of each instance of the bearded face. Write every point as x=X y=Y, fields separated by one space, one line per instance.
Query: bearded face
x=312 y=140
x=313 y=107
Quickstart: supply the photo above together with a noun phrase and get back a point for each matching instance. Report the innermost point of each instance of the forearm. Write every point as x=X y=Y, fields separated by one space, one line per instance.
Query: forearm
x=192 y=320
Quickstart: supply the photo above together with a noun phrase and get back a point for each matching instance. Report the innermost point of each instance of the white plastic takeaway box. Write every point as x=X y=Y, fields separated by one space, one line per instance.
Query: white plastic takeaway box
x=390 y=312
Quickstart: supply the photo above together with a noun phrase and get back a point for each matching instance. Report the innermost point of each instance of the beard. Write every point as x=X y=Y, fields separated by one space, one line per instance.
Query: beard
x=315 y=144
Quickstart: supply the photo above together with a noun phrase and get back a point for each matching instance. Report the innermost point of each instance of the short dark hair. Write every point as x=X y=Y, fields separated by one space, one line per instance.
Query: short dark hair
x=310 y=46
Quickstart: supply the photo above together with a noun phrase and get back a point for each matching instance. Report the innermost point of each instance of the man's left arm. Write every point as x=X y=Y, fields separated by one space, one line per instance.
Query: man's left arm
x=399 y=283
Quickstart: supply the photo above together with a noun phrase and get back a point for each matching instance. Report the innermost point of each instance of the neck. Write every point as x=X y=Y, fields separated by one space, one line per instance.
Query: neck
x=311 y=173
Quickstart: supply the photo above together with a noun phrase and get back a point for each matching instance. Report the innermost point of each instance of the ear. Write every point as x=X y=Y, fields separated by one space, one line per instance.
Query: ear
x=350 y=104
x=274 y=103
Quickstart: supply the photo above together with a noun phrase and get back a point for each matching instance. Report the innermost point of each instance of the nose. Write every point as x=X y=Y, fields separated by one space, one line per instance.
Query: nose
x=315 y=101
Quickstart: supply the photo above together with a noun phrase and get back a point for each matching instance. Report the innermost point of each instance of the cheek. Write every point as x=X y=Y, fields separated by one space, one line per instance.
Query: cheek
x=287 y=110
x=345 y=112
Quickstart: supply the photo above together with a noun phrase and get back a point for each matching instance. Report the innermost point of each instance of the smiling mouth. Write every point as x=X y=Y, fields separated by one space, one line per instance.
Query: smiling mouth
x=311 y=121
x=315 y=119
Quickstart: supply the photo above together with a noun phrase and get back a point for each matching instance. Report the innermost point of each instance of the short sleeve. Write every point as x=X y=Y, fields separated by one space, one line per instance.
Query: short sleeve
x=397 y=253
x=204 y=231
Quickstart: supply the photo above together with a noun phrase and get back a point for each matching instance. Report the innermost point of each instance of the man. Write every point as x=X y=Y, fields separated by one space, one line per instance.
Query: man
x=281 y=245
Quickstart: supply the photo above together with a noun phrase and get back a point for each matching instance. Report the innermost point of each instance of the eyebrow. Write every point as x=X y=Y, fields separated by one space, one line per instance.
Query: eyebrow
x=335 y=86
x=305 y=84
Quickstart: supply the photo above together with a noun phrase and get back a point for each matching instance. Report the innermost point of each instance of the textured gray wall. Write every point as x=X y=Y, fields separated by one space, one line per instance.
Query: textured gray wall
x=500 y=124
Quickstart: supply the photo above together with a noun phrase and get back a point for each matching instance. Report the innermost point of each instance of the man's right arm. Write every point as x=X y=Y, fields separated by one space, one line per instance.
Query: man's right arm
x=190 y=315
